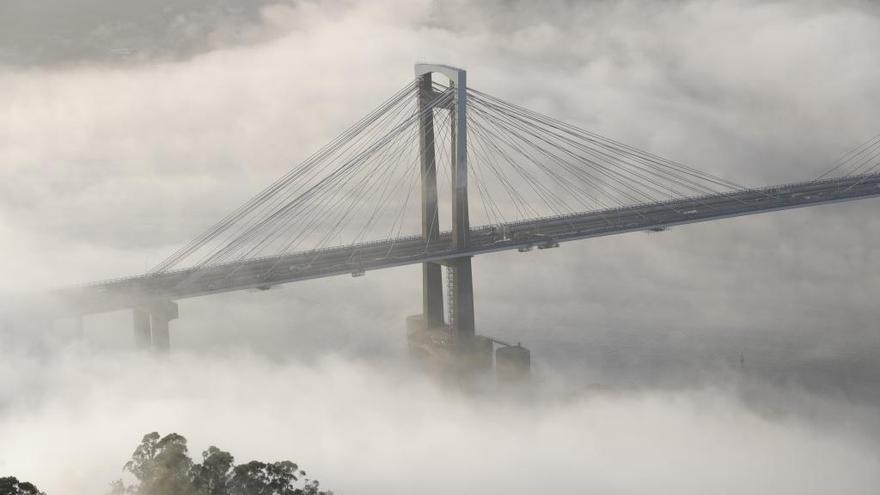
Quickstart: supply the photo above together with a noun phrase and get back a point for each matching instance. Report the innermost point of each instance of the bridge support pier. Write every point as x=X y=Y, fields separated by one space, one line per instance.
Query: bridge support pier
x=461 y=297
x=432 y=295
x=141 y=322
x=453 y=344
x=151 y=325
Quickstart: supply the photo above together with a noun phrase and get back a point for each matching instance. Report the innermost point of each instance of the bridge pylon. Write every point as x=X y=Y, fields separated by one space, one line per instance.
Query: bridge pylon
x=457 y=337
x=432 y=278
x=462 y=296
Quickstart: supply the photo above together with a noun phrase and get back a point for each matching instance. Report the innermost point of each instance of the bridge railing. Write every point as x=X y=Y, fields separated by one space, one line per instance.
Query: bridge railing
x=774 y=189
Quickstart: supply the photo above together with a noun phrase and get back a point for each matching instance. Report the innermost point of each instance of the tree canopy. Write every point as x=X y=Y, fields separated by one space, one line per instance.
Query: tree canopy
x=162 y=466
x=10 y=485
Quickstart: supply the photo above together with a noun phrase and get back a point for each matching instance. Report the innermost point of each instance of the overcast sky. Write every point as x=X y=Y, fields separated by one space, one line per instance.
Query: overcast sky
x=126 y=127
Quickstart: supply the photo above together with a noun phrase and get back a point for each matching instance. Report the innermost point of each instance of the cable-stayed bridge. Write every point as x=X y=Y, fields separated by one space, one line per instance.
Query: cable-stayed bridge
x=540 y=233
x=435 y=175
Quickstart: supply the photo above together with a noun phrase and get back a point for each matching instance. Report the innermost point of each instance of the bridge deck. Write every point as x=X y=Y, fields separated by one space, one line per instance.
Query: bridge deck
x=542 y=232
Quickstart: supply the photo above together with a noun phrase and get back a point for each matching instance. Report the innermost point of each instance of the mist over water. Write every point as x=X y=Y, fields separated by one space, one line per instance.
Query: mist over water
x=364 y=427
x=737 y=356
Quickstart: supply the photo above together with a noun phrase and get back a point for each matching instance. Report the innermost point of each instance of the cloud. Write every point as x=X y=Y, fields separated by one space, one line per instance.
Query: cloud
x=52 y=32
x=367 y=429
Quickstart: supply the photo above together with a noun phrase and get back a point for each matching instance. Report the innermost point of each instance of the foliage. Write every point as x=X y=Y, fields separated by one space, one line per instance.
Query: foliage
x=11 y=486
x=260 y=478
x=162 y=466
x=212 y=476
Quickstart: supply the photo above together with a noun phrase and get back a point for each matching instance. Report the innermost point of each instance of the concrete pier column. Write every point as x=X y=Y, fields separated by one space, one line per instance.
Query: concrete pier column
x=141 y=320
x=160 y=332
x=432 y=294
x=161 y=315
x=463 y=299
x=432 y=281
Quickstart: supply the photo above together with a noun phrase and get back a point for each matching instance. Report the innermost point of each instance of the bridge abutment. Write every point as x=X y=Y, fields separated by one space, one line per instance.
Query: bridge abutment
x=512 y=364
x=441 y=351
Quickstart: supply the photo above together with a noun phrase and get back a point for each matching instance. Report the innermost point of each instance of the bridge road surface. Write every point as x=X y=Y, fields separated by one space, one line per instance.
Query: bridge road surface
x=135 y=291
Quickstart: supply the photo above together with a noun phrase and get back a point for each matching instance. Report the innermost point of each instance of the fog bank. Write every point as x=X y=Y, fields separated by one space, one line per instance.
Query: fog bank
x=68 y=423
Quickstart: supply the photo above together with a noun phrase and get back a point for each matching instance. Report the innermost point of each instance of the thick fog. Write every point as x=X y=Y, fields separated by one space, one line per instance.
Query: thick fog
x=737 y=356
